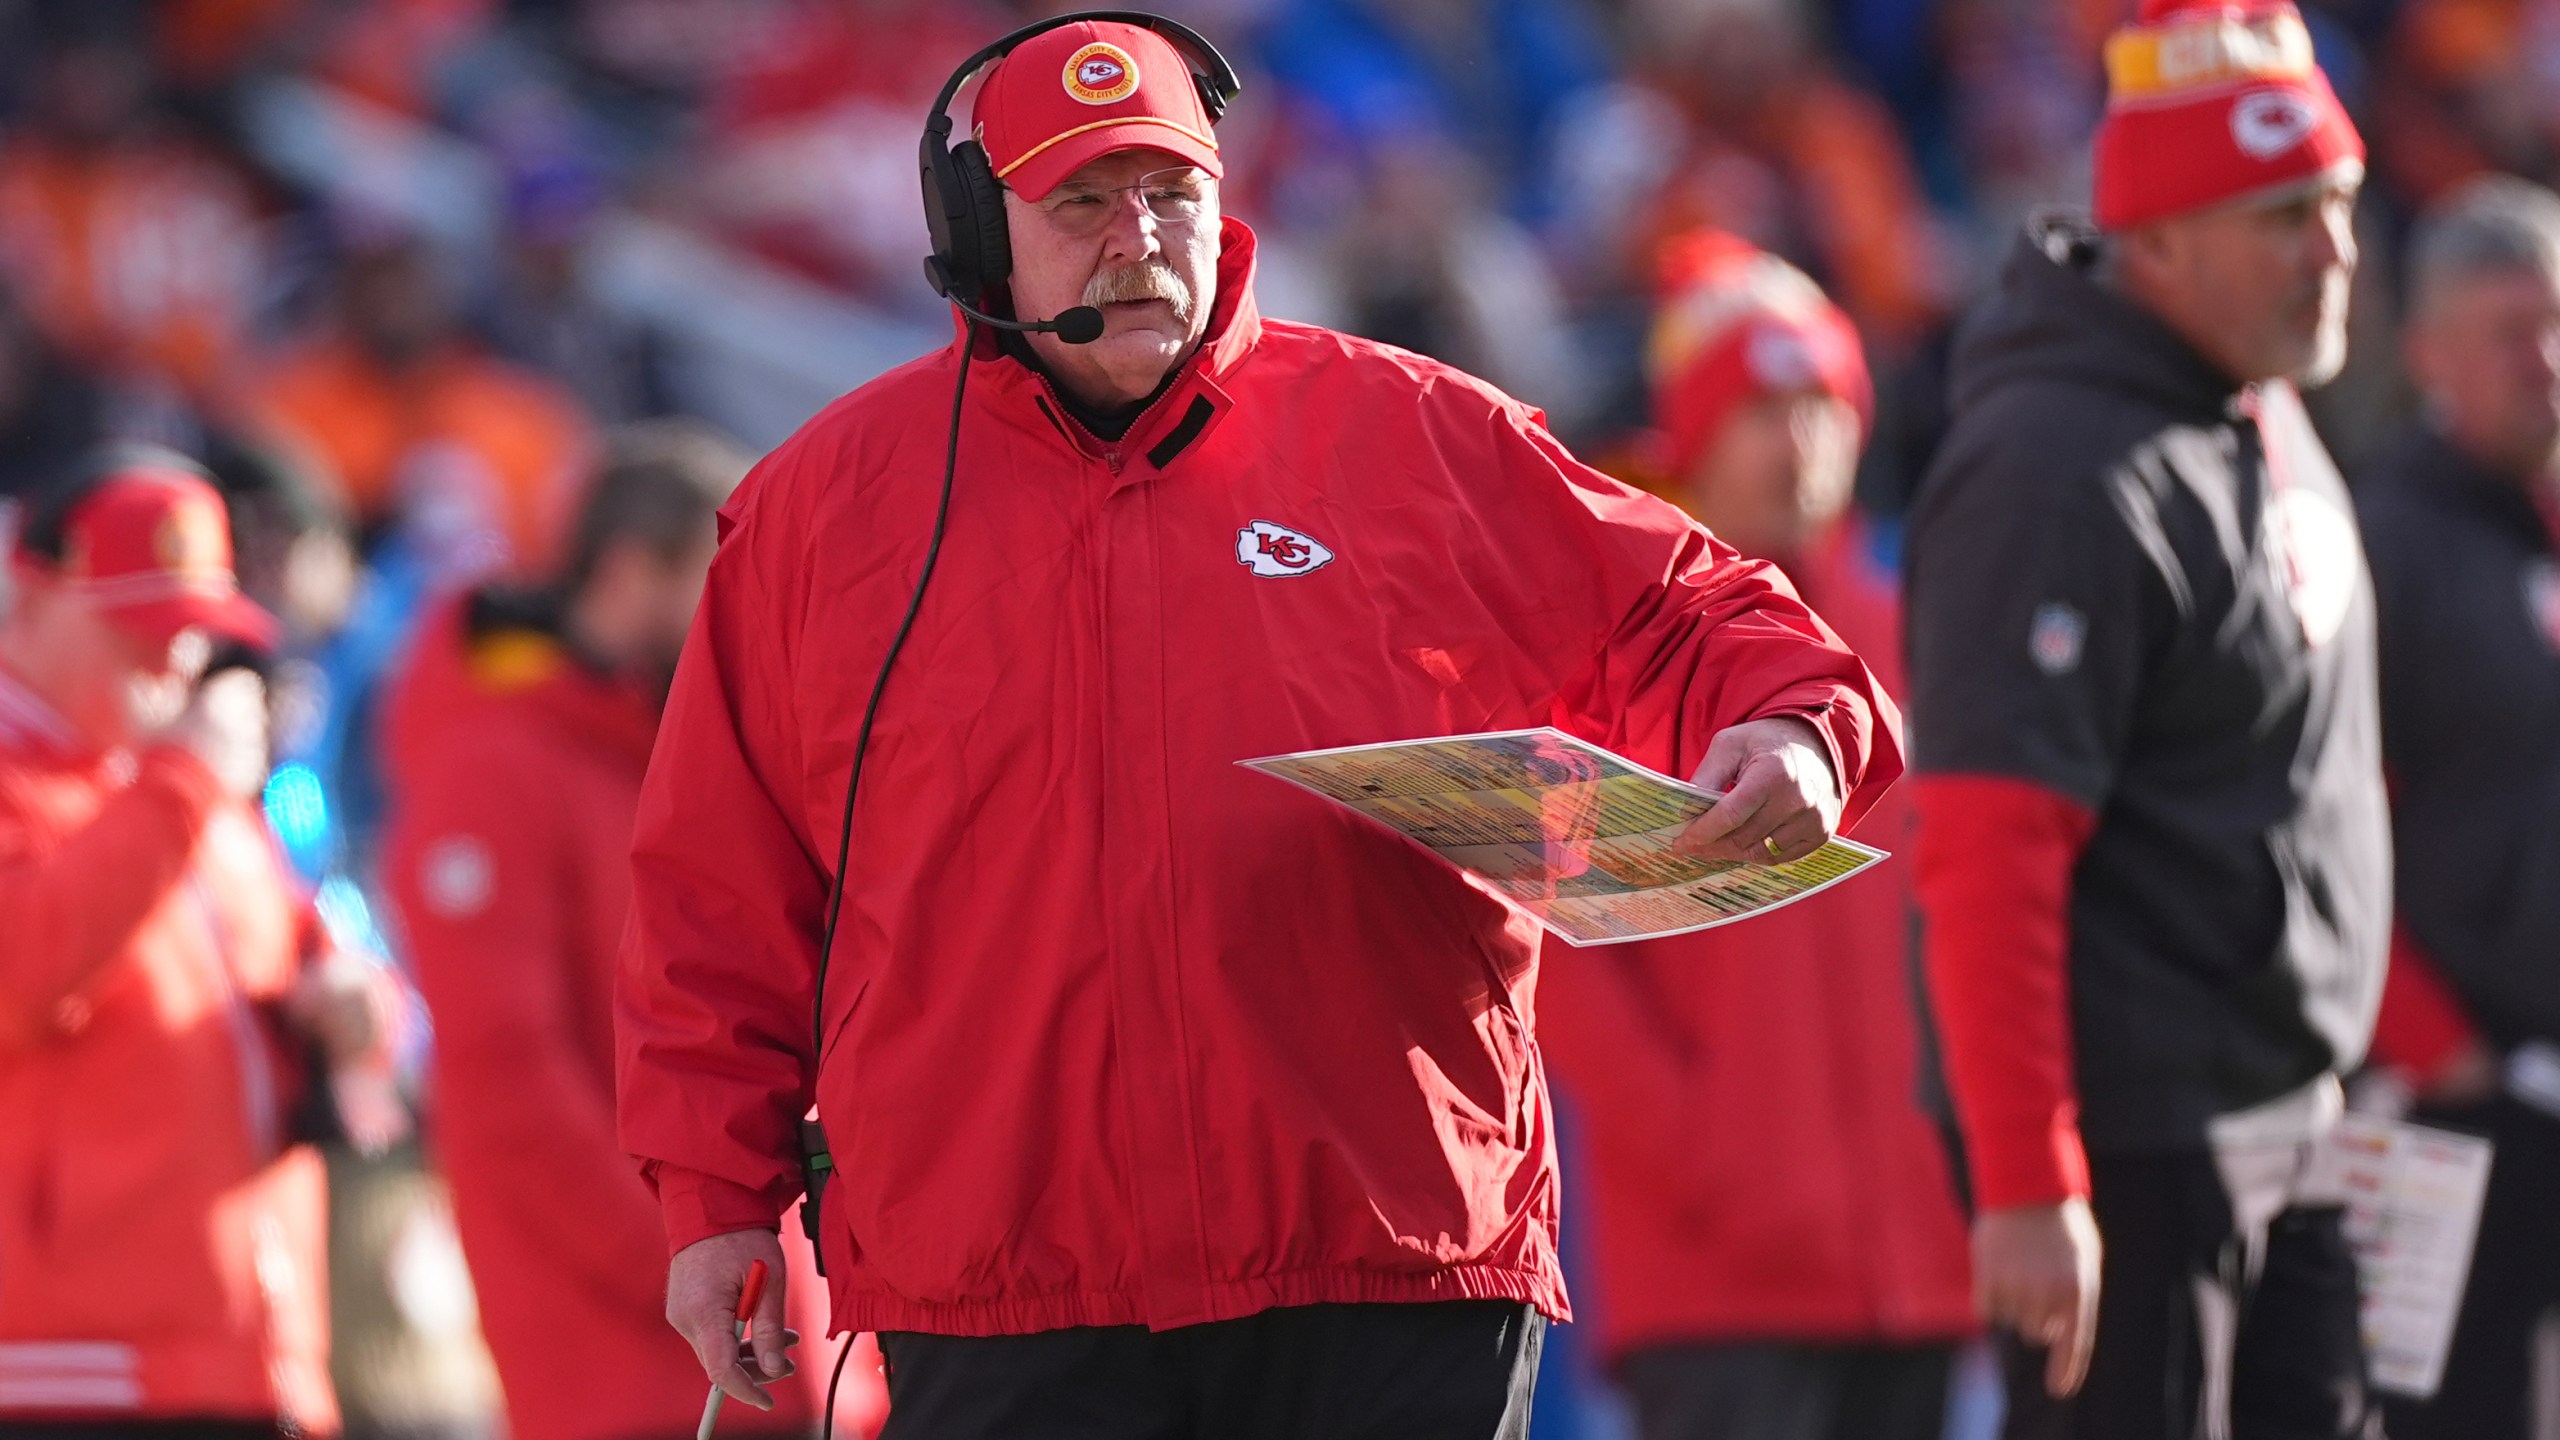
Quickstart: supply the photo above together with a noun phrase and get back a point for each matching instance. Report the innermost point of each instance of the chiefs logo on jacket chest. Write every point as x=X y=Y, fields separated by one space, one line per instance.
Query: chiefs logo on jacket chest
x=1276 y=550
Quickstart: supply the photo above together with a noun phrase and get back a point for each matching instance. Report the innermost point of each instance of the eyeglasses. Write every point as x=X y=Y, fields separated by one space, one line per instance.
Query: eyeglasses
x=1174 y=197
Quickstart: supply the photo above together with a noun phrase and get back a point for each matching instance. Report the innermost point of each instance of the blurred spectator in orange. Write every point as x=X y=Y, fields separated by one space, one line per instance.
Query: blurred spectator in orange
x=2462 y=522
x=1773 y=145
x=1780 y=1255
x=517 y=741
x=133 y=247
x=406 y=409
x=162 y=985
x=2464 y=87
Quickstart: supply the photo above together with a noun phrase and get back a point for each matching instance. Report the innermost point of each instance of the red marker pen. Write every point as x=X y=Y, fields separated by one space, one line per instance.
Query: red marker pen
x=747 y=1298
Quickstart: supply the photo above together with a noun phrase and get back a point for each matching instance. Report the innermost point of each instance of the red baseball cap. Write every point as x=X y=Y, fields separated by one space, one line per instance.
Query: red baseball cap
x=1067 y=95
x=151 y=547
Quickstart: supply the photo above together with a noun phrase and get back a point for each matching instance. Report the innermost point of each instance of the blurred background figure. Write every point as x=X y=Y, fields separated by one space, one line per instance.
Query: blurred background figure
x=1779 y=1251
x=174 y=1017
x=417 y=422
x=518 y=736
x=135 y=248
x=2460 y=520
x=2142 y=655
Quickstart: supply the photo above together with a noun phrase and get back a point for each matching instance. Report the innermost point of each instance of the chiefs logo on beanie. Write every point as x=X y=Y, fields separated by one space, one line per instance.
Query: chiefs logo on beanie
x=2210 y=101
x=1734 y=322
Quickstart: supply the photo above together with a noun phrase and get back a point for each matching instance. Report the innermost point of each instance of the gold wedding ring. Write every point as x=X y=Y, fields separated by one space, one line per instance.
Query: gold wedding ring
x=1770 y=844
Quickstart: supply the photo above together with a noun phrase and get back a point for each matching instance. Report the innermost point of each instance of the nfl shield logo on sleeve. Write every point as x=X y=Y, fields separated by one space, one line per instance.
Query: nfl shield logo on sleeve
x=2054 y=637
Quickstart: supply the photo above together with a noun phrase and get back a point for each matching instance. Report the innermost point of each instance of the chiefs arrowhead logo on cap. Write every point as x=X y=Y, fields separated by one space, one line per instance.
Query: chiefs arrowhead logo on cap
x=192 y=539
x=1101 y=73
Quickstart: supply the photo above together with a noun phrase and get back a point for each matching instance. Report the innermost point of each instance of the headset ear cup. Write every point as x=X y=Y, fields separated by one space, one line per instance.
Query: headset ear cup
x=983 y=228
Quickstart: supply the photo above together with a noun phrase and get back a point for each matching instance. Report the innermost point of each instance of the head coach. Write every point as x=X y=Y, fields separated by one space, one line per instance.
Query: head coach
x=1159 y=1101
x=2153 y=852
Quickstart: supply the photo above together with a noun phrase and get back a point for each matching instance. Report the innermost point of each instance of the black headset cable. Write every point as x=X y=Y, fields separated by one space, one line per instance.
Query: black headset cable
x=818 y=1163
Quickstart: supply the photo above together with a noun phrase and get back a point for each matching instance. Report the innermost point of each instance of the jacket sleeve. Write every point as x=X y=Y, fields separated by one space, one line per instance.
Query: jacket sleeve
x=71 y=904
x=1686 y=637
x=484 y=887
x=2033 y=607
x=2422 y=1026
x=1992 y=865
x=717 y=980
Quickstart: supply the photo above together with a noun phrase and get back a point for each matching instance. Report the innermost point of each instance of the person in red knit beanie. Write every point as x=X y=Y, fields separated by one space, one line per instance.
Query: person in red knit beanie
x=1775 y=1244
x=2153 y=853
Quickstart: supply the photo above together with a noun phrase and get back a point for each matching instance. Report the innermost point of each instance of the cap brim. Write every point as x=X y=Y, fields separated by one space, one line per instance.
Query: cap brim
x=227 y=617
x=1039 y=172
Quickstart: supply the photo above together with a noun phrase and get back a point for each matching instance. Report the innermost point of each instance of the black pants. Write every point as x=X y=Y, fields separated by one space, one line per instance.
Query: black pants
x=1452 y=1370
x=1778 y=1391
x=2487 y=1392
x=2204 y=1332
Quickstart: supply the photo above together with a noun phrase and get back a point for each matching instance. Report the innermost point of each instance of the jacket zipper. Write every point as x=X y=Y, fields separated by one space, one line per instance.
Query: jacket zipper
x=1112 y=454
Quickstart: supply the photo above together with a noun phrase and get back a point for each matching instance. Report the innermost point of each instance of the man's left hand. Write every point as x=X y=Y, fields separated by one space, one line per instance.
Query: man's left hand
x=1781 y=801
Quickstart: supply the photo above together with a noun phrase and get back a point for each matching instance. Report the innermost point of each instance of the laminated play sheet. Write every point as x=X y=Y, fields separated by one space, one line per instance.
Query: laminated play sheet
x=2412 y=1195
x=1579 y=838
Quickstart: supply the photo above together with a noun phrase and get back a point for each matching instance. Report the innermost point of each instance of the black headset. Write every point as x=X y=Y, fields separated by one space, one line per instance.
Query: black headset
x=963 y=199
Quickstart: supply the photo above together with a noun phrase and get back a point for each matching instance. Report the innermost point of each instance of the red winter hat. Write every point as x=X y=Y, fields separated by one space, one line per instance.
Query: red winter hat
x=150 y=544
x=1735 y=322
x=2210 y=101
x=1067 y=95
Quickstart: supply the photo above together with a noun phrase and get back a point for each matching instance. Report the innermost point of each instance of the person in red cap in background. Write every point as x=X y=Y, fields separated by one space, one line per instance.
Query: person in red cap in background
x=161 y=983
x=1779 y=1252
x=2153 y=852
x=517 y=739
x=1161 y=1099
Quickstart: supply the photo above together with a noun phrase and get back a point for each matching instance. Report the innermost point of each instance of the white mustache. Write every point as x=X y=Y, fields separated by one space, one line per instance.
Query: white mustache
x=1140 y=282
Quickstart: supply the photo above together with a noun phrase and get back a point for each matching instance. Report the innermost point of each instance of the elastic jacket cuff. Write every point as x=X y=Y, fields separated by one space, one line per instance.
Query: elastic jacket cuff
x=2027 y=1163
x=696 y=1206
x=1825 y=717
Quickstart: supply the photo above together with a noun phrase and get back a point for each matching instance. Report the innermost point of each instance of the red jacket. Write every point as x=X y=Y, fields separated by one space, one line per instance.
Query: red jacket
x=516 y=773
x=1760 y=1167
x=160 y=1246
x=1120 y=1032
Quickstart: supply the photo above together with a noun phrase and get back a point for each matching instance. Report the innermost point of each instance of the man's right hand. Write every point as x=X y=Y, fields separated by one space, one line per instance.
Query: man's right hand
x=704 y=1281
x=2035 y=1271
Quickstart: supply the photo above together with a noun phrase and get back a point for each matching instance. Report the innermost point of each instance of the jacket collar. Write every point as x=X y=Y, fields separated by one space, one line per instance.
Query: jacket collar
x=2052 y=316
x=1187 y=409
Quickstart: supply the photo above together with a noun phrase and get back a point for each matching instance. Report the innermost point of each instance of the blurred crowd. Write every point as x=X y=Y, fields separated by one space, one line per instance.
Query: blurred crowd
x=399 y=272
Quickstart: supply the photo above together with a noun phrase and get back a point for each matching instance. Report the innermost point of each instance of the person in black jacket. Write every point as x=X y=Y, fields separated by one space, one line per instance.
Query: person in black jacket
x=2153 y=851
x=2466 y=575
